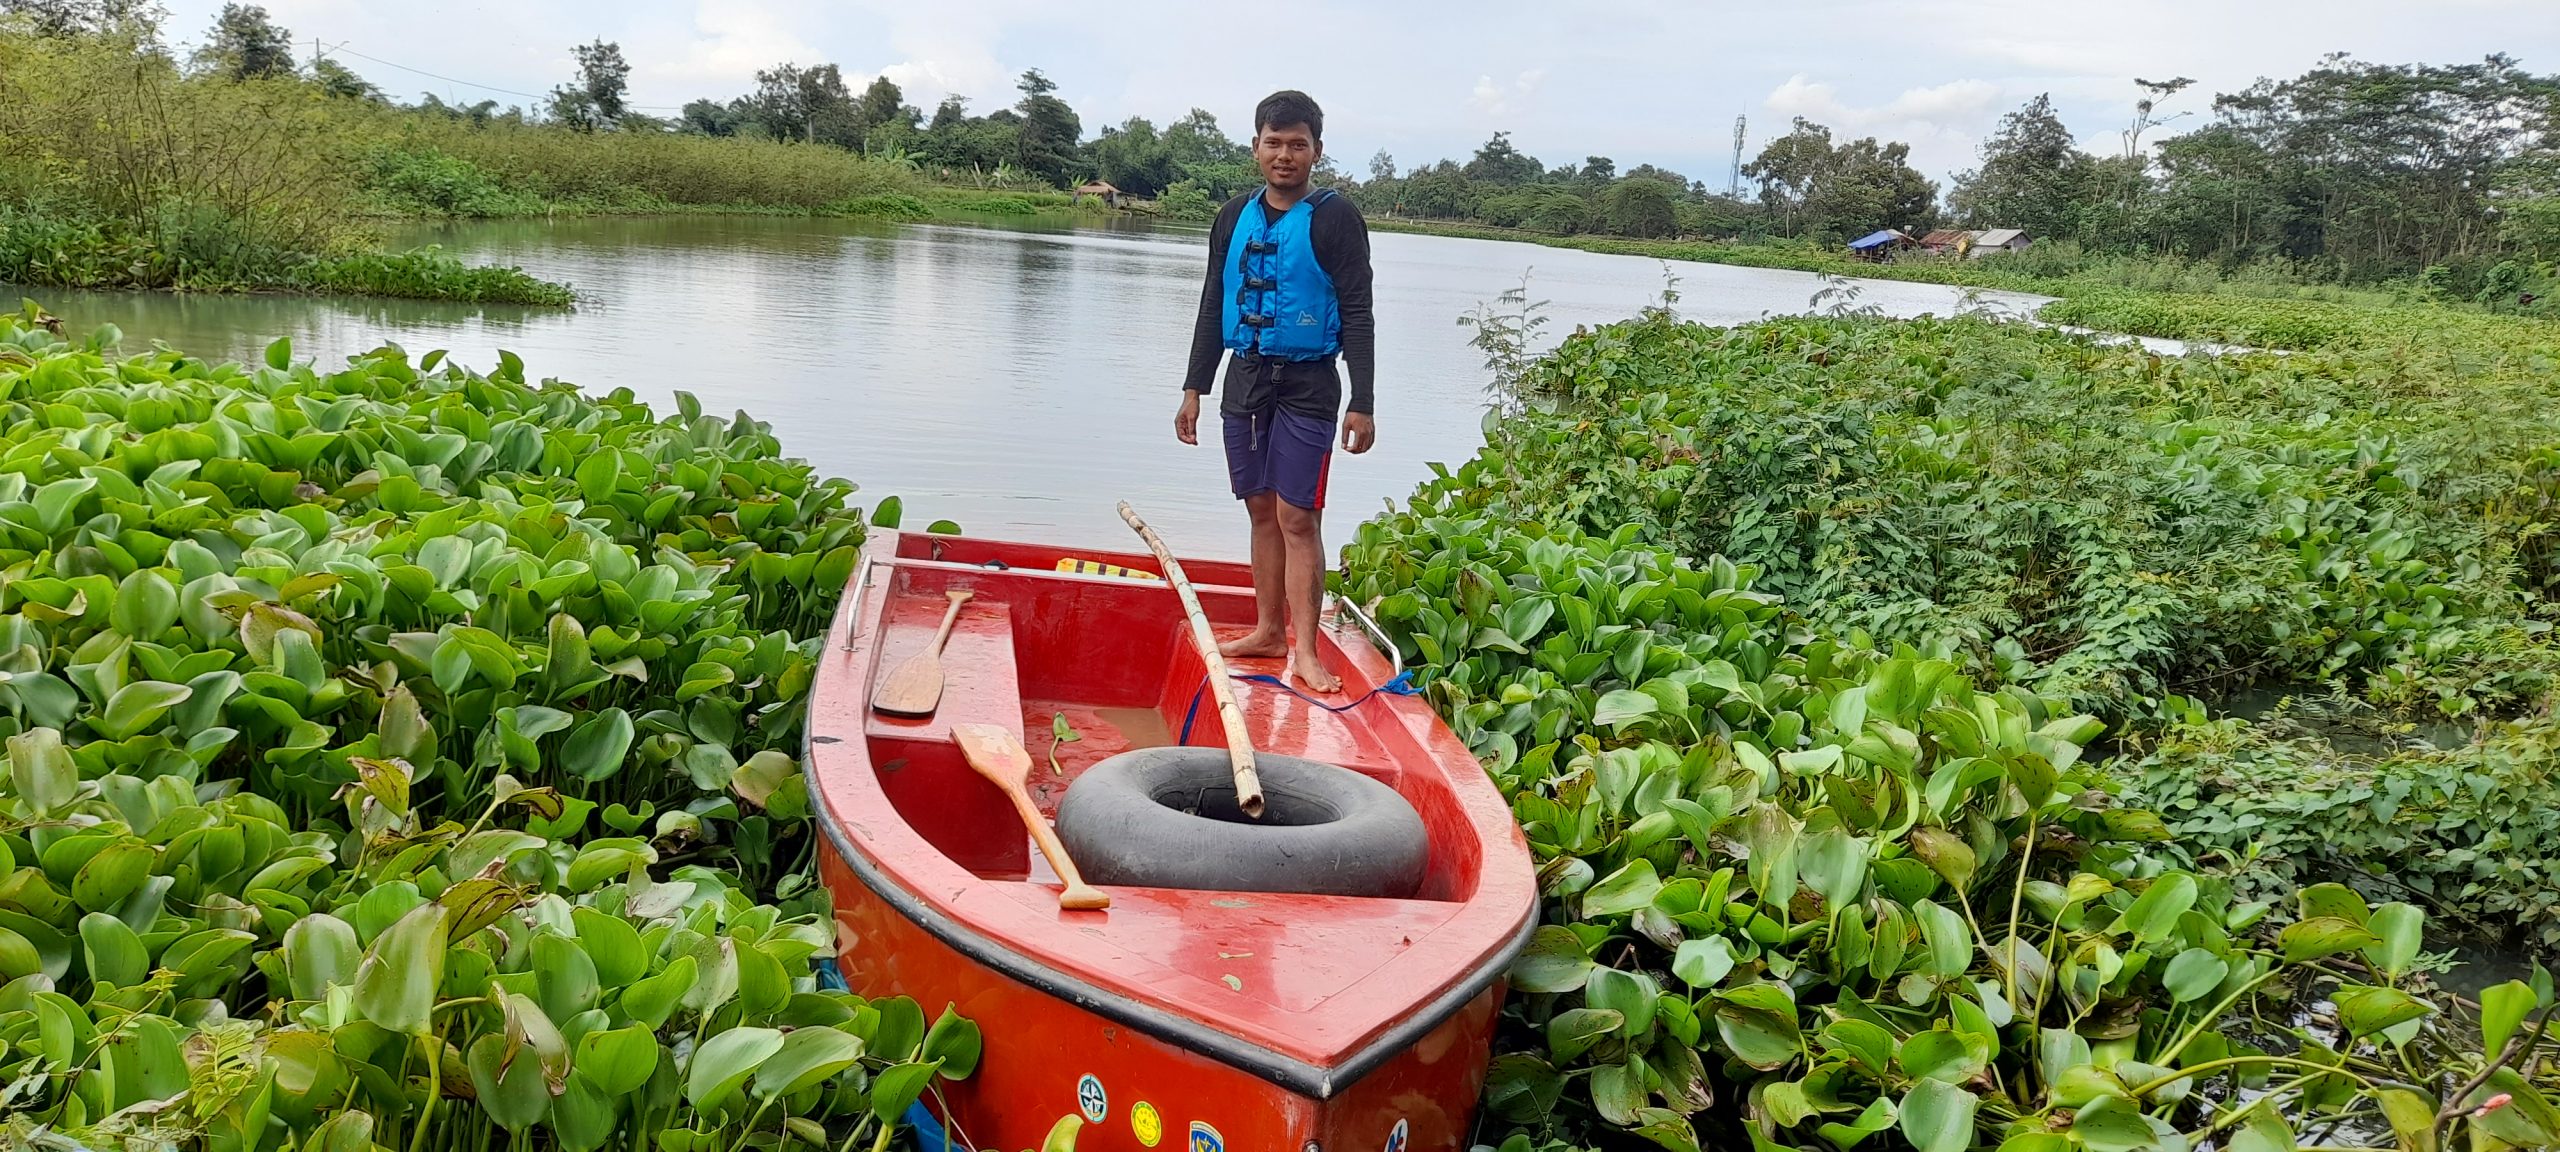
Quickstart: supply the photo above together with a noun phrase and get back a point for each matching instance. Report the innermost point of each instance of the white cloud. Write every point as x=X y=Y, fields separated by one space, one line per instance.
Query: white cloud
x=1943 y=123
x=1495 y=99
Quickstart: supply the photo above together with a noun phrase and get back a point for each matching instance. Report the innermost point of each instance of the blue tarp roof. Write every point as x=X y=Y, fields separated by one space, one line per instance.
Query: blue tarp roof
x=1876 y=240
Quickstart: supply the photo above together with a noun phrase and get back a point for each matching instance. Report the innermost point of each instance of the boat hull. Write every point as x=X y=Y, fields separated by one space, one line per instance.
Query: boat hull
x=1041 y=1047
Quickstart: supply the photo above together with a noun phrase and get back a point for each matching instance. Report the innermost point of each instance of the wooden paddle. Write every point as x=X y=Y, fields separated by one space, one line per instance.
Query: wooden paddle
x=1230 y=717
x=914 y=687
x=1000 y=758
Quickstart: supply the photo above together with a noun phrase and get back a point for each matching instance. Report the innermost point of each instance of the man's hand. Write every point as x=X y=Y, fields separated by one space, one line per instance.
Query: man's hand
x=1359 y=431
x=1186 y=419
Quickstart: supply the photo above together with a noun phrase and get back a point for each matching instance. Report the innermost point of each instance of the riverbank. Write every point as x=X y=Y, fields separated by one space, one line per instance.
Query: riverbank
x=2170 y=299
x=120 y=170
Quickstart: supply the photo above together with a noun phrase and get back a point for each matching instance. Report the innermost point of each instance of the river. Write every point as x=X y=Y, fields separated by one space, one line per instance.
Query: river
x=1019 y=380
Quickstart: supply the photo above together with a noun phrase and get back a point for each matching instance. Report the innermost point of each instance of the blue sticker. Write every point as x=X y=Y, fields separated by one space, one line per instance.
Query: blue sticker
x=1091 y=1100
x=1205 y=1138
x=1395 y=1139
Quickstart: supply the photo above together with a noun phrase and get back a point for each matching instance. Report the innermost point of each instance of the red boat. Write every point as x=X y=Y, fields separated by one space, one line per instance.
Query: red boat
x=1197 y=1020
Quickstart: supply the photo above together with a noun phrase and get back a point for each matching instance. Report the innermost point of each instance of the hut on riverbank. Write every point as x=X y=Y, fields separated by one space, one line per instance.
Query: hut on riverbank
x=1100 y=190
x=1880 y=245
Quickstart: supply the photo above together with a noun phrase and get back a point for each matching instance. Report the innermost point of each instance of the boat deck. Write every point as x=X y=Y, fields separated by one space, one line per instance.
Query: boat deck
x=1312 y=978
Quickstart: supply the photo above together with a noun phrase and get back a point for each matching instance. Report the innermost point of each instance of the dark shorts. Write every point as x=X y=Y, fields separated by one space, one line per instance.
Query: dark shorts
x=1277 y=450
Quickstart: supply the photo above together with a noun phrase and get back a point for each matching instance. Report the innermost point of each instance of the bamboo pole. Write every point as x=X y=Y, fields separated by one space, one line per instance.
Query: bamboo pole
x=1230 y=717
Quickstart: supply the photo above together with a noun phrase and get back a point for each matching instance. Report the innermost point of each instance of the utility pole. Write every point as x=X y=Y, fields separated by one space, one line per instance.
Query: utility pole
x=1733 y=187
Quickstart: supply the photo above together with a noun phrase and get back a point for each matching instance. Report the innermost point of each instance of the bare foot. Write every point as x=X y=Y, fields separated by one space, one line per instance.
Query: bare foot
x=1307 y=669
x=1255 y=645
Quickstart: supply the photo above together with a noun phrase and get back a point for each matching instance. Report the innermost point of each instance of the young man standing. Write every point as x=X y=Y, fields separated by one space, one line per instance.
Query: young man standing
x=1286 y=296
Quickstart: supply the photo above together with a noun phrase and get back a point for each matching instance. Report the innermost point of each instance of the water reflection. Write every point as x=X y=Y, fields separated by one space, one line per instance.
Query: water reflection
x=1019 y=379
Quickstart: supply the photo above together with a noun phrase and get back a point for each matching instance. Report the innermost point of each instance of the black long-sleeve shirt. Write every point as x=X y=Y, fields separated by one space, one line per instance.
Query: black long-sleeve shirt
x=1341 y=242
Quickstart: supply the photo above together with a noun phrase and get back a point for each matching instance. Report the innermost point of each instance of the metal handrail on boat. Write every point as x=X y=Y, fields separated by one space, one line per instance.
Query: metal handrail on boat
x=861 y=584
x=1378 y=636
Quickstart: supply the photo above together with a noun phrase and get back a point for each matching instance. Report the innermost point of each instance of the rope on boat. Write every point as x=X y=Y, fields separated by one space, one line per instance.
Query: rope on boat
x=1402 y=685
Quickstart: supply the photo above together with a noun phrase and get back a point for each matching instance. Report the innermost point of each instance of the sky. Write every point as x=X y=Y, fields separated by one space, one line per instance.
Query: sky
x=1657 y=83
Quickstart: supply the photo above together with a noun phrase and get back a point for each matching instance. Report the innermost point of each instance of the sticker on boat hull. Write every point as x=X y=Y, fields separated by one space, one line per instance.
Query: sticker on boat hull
x=1091 y=1099
x=1205 y=1138
x=1145 y=1123
x=1396 y=1139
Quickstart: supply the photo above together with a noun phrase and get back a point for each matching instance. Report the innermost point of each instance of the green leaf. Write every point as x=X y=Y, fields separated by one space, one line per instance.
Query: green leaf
x=1949 y=939
x=724 y=1062
x=1616 y=1092
x=112 y=951
x=652 y=1000
x=2502 y=1008
x=954 y=1044
x=1572 y=1032
x=1938 y=1117
x=597 y=748
x=320 y=950
x=2334 y=900
x=1625 y=890
x=103 y=883
x=618 y=1060
x=1757 y=1023
x=2365 y=1011
x=613 y=945
x=2325 y=936
x=146 y=605
x=395 y=986
x=807 y=1057
x=2398 y=929
x=2193 y=974
x=897 y=1086
x=511 y=1091
x=1623 y=706
x=1062 y=1135
x=42 y=770
x=2113 y=1124
x=137 y=706
x=1703 y=963
x=1938 y=1055
x=1946 y=854
x=2154 y=915
x=1554 y=961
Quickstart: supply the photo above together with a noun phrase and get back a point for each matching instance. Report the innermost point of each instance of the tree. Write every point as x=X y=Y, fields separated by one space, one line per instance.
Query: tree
x=1597 y=173
x=1818 y=189
x=81 y=17
x=714 y=117
x=1382 y=167
x=245 y=42
x=339 y=80
x=1132 y=157
x=1501 y=164
x=1633 y=207
x=2033 y=176
x=1046 y=142
x=805 y=104
x=882 y=116
x=595 y=102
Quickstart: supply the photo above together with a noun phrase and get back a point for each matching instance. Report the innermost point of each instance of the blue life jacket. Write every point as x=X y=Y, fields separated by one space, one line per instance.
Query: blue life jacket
x=1279 y=301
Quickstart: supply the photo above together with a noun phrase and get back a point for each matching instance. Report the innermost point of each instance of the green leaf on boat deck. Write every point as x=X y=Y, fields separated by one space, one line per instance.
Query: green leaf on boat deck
x=886 y=513
x=1062 y=1135
x=954 y=1043
x=724 y=1062
x=1938 y=1117
x=944 y=528
x=897 y=1086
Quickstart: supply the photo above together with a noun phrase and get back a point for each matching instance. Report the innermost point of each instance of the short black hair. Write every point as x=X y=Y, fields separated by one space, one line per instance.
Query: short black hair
x=1284 y=108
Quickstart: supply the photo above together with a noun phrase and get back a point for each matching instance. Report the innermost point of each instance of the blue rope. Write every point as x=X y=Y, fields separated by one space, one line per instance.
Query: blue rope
x=1402 y=685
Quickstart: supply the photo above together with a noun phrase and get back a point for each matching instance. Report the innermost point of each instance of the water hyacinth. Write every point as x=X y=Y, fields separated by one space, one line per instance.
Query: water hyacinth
x=406 y=757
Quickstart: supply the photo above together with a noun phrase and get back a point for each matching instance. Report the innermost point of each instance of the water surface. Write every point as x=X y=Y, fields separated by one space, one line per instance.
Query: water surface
x=1019 y=380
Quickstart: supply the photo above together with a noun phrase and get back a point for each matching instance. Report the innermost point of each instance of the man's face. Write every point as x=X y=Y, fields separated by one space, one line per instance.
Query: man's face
x=1286 y=153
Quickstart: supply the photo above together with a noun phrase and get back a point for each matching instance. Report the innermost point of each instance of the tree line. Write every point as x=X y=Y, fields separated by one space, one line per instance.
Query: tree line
x=2350 y=171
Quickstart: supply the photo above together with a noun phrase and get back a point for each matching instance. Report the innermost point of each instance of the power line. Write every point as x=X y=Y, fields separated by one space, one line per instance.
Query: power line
x=342 y=47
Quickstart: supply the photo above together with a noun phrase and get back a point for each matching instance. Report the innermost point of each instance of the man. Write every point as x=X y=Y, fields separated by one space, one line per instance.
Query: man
x=1287 y=295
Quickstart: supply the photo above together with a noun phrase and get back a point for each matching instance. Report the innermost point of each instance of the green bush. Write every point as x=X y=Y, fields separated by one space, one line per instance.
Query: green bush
x=430 y=183
x=2103 y=524
x=429 y=274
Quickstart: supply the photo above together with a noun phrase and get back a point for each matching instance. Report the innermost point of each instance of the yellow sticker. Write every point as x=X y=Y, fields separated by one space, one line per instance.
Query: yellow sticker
x=1144 y=1121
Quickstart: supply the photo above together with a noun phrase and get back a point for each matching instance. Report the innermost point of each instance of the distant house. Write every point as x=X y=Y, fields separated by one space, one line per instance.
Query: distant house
x=1102 y=191
x=1880 y=245
x=1946 y=241
x=1998 y=240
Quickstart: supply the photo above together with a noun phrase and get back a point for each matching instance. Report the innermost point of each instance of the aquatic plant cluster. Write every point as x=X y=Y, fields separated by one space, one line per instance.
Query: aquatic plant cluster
x=405 y=757
x=1797 y=647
